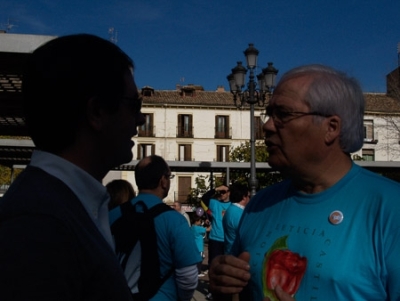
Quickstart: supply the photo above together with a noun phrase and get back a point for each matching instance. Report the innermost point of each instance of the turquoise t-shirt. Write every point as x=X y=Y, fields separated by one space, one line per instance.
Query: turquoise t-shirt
x=198 y=233
x=230 y=223
x=176 y=246
x=339 y=244
x=218 y=209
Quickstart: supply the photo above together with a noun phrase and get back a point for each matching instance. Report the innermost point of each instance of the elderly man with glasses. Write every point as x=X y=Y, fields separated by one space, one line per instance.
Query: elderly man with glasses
x=331 y=229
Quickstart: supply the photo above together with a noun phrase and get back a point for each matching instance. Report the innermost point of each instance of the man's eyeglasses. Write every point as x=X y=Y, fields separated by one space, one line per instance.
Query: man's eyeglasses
x=169 y=176
x=280 y=117
x=222 y=191
x=135 y=104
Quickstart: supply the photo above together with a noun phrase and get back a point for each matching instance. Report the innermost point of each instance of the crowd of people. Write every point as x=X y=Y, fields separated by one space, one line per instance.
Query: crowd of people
x=329 y=231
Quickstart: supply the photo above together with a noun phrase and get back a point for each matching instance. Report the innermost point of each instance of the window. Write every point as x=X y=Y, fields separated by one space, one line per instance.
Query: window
x=258 y=128
x=145 y=150
x=147 y=129
x=188 y=91
x=147 y=91
x=185 y=152
x=185 y=126
x=222 y=129
x=184 y=187
x=222 y=153
x=369 y=131
x=368 y=154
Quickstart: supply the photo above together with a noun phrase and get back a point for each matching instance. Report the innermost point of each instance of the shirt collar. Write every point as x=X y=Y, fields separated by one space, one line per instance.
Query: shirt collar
x=238 y=205
x=91 y=193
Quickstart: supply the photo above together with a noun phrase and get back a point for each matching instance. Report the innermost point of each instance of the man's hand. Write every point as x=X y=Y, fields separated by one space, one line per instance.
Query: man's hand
x=229 y=274
x=222 y=187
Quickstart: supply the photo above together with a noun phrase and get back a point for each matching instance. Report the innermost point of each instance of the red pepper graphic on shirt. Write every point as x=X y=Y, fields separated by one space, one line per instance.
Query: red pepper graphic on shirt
x=282 y=267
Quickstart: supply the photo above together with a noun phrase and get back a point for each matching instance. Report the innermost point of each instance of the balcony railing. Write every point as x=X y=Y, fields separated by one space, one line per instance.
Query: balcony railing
x=223 y=133
x=182 y=132
x=185 y=159
x=370 y=140
x=148 y=131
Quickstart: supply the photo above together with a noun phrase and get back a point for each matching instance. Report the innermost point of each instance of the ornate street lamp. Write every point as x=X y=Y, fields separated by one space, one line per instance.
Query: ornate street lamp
x=252 y=96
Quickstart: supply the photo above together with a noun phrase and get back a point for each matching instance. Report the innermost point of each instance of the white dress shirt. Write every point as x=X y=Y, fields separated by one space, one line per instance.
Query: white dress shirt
x=92 y=194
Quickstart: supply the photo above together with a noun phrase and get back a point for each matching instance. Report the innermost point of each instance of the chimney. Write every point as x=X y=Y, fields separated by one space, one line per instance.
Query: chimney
x=220 y=89
x=393 y=83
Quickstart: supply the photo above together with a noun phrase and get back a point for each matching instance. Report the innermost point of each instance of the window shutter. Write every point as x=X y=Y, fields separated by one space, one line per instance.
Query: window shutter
x=188 y=152
x=180 y=124
x=227 y=127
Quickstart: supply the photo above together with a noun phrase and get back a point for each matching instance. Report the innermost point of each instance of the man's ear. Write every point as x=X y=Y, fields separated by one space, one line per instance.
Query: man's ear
x=94 y=113
x=333 y=126
x=164 y=182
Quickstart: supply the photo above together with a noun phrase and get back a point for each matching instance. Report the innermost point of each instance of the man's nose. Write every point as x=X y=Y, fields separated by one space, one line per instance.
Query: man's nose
x=269 y=125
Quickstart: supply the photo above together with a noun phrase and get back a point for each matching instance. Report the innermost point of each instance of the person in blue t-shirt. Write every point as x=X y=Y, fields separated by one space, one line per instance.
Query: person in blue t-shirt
x=331 y=229
x=215 y=210
x=199 y=233
x=176 y=246
x=239 y=197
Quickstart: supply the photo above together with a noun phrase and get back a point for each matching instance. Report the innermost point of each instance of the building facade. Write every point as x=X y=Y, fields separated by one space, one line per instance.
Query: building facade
x=185 y=125
x=190 y=124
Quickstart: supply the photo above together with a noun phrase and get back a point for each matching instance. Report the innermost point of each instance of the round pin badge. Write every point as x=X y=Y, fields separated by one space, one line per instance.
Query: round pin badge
x=336 y=217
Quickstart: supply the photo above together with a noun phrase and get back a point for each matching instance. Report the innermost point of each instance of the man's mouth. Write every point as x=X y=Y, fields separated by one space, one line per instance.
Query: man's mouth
x=268 y=143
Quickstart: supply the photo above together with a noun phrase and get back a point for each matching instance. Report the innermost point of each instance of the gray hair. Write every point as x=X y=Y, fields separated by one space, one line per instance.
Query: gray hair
x=332 y=92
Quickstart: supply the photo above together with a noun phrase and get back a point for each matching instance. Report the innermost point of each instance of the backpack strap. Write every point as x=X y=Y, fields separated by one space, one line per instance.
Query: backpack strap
x=149 y=255
x=138 y=217
x=155 y=211
x=125 y=239
x=158 y=209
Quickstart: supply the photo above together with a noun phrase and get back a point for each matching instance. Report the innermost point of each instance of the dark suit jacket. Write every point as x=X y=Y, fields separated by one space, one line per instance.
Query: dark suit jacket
x=50 y=249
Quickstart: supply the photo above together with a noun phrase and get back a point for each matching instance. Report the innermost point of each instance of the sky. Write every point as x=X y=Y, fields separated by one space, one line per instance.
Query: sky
x=199 y=42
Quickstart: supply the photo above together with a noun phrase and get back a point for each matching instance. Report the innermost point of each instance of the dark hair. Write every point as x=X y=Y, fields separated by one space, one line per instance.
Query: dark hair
x=59 y=79
x=195 y=218
x=149 y=171
x=120 y=192
x=237 y=192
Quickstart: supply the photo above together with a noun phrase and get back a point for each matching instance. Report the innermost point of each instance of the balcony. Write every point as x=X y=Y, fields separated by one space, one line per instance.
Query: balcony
x=223 y=133
x=147 y=131
x=182 y=132
x=370 y=140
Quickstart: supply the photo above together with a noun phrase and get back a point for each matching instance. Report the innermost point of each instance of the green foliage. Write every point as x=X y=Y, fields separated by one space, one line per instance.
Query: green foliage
x=202 y=185
x=357 y=158
x=196 y=192
x=242 y=153
x=6 y=173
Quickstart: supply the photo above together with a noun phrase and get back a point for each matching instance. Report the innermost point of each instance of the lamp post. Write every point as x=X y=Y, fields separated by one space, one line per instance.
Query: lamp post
x=252 y=96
